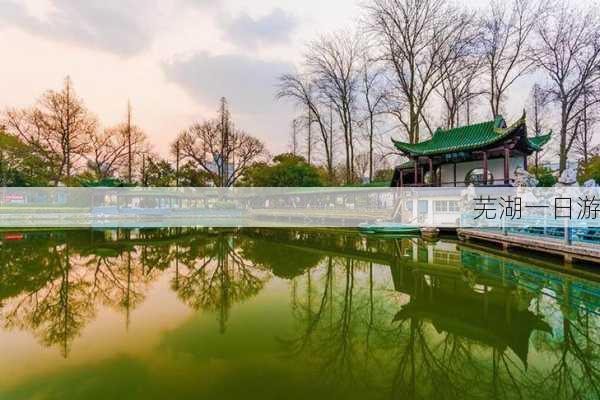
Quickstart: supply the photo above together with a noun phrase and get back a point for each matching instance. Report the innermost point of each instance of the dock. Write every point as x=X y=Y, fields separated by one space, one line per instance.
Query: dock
x=570 y=251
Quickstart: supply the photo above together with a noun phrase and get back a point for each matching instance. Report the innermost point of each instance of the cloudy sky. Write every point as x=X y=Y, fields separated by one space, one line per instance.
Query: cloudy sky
x=173 y=59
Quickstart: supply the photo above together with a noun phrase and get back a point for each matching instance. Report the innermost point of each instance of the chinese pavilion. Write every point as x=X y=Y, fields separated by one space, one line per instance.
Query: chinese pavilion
x=487 y=153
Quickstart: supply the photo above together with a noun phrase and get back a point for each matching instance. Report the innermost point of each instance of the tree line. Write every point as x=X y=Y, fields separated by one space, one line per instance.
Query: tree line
x=411 y=66
x=59 y=141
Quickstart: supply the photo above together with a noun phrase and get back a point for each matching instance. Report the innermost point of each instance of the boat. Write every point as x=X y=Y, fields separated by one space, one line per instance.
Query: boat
x=388 y=228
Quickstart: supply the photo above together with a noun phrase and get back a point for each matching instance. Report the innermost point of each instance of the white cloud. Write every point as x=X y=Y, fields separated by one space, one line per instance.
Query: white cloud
x=247 y=82
x=119 y=26
x=116 y=49
x=246 y=31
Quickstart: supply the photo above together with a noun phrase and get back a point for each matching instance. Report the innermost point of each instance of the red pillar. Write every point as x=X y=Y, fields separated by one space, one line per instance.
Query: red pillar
x=506 y=166
x=454 y=174
x=416 y=170
x=485 y=168
x=431 y=171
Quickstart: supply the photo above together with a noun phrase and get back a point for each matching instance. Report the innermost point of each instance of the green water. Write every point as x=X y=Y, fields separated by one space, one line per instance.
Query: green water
x=288 y=314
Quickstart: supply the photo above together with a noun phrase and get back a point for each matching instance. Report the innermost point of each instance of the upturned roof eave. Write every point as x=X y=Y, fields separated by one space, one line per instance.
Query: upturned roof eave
x=410 y=151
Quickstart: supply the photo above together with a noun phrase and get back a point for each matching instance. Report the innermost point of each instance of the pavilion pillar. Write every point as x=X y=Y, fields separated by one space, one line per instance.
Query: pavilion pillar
x=454 y=174
x=525 y=166
x=401 y=178
x=431 y=171
x=506 y=166
x=416 y=170
x=485 y=168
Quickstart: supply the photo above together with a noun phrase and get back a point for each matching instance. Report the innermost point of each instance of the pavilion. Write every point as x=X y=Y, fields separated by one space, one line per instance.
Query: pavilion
x=484 y=154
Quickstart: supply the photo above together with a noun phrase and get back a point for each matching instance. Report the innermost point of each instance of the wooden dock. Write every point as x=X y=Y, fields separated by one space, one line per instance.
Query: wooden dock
x=570 y=252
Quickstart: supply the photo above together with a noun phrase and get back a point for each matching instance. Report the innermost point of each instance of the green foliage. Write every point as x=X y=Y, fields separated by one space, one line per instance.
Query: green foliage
x=591 y=170
x=20 y=165
x=106 y=182
x=544 y=176
x=288 y=171
x=285 y=262
x=191 y=176
x=159 y=174
x=383 y=175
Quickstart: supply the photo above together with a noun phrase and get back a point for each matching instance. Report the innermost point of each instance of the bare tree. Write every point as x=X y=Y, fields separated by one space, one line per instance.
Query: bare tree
x=584 y=145
x=334 y=63
x=294 y=137
x=374 y=96
x=128 y=131
x=568 y=51
x=461 y=74
x=225 y=128
x=113 y=150
x=537 y=108
x=298 y=88
x=57 y=128
x=416 y=38
x=362 y=162
x=202 y=144
x=506 y=32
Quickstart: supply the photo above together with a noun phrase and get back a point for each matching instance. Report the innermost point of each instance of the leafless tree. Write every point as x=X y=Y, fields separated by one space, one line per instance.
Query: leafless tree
x=294 y=137
x=113 y=151
x=202 y=143
x=129 y=137
x=568 y=51
x=374 y=95
x=416 y=38
x=362 y=164
x=298 y=88
x=226 y=130
x=461 y=80
x=506 y=32
x=334 y=63
x=537 y=110
x=57 y=128
x=584 y=145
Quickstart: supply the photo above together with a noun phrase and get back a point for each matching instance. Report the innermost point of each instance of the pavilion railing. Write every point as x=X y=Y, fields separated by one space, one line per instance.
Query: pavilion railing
x=492 y=182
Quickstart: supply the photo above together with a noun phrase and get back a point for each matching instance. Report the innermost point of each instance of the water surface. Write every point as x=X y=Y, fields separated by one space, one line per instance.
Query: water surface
x=288 y=314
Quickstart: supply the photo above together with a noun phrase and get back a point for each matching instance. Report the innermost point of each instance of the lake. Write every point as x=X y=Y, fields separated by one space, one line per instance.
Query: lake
x=289 y=314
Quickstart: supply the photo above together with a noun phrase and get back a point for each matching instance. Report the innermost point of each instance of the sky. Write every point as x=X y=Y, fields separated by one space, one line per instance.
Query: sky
x=175 y=59
x=172 y=59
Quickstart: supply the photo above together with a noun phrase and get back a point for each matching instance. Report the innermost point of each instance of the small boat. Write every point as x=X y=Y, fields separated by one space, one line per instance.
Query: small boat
x=388 y=228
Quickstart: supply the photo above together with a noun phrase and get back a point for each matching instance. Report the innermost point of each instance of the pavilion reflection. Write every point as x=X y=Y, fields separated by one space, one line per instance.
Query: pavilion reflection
x=457 y=330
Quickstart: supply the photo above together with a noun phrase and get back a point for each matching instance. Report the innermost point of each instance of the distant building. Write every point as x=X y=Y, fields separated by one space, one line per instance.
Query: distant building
x=214 y=166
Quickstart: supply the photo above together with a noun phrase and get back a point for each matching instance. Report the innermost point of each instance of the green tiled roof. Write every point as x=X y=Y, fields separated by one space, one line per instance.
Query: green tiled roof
x=467 y=138
x=407 y=165
x=538 y=142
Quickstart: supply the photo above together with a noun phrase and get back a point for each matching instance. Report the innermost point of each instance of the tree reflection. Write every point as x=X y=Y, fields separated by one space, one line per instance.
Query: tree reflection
x=575 y=359
x=395 y=317
x=458 y=334
x=342 y=321
x=57 y=311
x=52 y=287
x=217 y=278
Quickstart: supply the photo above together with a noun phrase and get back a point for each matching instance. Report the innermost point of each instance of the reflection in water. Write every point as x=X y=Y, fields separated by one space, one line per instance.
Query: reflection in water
x=216 y=276
x=361 y=317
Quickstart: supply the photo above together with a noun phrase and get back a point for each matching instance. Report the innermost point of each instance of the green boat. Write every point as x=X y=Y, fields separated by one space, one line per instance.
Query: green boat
x=388 y=228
